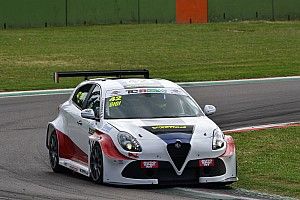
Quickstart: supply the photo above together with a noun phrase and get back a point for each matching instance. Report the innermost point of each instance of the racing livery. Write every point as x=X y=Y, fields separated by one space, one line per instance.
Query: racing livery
x=139 y=131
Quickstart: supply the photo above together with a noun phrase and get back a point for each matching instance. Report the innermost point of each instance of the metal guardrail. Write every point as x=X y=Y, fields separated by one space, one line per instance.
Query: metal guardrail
x=105 y=73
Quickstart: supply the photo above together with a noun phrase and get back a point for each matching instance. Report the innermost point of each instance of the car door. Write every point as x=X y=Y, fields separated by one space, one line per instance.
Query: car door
x=76 y=128
x=92 y=102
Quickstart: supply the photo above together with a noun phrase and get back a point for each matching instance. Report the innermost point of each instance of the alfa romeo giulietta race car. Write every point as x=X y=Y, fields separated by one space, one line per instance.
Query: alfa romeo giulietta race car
x=138 y=131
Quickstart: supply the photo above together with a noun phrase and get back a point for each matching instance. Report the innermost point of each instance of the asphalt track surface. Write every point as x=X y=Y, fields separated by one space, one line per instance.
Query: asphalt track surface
x=25 y=172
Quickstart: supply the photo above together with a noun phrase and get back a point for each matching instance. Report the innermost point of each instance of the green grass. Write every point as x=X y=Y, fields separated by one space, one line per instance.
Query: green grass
x=214 y=51
x=269 y=161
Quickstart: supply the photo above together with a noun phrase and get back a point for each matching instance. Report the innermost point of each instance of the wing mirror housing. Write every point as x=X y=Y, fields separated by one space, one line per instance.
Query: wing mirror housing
x=88 y=114
x=209 y=110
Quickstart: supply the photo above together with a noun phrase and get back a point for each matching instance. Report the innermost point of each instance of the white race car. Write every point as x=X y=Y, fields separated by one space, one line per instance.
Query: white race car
x=138 y=131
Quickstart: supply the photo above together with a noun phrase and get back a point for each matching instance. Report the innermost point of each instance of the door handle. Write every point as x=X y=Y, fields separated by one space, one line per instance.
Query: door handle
x=79 y=122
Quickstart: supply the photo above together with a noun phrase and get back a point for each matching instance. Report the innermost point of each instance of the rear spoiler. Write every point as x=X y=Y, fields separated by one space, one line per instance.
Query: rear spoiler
x=109 y=73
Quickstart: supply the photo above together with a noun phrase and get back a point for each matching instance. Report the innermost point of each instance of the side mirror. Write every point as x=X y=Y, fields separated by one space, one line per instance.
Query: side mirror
x=88 y=114
x=209 y=109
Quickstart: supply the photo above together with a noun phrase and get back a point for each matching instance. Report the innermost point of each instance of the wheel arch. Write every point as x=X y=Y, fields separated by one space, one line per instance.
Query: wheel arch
x=93 y=141
x=50 y=129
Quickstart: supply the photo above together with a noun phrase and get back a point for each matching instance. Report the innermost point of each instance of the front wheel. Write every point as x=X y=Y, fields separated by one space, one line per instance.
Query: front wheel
x=53 y=153
x=96 y=164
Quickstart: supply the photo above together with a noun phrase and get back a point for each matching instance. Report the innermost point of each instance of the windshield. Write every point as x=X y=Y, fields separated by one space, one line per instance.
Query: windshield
x=150 y=105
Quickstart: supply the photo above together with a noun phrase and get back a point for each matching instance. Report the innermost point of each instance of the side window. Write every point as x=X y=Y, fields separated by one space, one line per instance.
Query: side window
x=81 y=94
x=93 y=101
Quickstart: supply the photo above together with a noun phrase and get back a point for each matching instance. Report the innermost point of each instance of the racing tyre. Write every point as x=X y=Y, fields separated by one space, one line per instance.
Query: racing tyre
x=96 y=164
x=53 y=153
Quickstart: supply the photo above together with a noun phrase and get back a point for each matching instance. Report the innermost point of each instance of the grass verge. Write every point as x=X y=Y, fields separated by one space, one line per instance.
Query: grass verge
x=269 y=161
x=215 y=51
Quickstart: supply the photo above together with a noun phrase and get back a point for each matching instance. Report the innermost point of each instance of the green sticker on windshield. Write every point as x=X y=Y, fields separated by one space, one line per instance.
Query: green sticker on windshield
x=115 y=101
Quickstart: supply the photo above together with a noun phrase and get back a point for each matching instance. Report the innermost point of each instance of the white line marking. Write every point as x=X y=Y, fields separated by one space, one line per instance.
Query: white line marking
x=237 y=81
x=215 y=195
x=184 y=84
x=35 y=93
x=262 y=127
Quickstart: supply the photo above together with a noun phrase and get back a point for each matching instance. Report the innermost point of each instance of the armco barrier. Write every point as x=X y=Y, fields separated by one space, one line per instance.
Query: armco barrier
x=31 y=13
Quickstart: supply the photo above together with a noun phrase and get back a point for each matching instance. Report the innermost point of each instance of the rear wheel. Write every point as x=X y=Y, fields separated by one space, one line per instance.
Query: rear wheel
x=96 y=164
x=53 y=153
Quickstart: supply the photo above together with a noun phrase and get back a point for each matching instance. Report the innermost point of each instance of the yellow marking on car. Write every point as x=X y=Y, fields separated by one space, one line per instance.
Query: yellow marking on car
x=115 y=101
x=168 y=127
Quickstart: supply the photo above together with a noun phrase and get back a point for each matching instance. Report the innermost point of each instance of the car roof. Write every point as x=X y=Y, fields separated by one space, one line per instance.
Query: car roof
x=130 y=83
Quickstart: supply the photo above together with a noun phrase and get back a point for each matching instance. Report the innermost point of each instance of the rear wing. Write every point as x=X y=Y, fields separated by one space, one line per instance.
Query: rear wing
x=105 y=73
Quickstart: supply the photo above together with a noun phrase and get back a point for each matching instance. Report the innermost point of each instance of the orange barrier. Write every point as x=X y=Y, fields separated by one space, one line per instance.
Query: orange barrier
x=191 y=11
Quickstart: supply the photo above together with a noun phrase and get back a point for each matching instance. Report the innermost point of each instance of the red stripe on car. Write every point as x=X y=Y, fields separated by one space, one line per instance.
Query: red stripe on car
x=230 y=149
x=108 y=147
x=69 y=150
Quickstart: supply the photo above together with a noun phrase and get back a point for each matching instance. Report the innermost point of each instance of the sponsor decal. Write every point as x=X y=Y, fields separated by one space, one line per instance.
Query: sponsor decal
x=72 y=167
x=119 y=162
x=141 y=83
x=116 y=92
x=168 y=127
x=92 y=131
x=156 y=90
x=134 y=155
x=132 y=91
x=146 y=90
x=149 y=164
x=115 y=101
x=165 y=129
x=83 y=171
x=107 y=128
x=207 y=163
x=175 y=91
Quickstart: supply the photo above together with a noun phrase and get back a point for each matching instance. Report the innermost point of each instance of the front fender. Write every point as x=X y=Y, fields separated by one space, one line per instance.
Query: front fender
x=58 y=124
x=50 y=129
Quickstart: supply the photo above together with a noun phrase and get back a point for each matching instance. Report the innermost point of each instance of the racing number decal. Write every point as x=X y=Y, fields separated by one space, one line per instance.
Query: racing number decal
x=115 y=101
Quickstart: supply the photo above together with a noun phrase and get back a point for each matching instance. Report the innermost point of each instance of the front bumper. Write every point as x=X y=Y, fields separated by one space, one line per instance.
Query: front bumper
x=128 y=172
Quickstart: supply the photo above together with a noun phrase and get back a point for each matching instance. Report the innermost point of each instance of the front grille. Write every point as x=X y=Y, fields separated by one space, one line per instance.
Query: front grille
x=167 y=175
x=178 y=155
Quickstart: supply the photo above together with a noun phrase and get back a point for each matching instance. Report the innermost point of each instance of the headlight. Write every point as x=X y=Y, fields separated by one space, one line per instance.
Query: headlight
x=218 y=139
x=128 y=142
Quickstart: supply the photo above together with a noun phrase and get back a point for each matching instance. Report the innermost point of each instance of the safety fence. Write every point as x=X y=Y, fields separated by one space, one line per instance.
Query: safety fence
x=237 y=10
x=39 y=13
x=44 y=13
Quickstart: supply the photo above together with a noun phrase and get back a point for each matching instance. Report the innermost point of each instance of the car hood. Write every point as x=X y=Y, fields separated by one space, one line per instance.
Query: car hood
x=197 y=127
